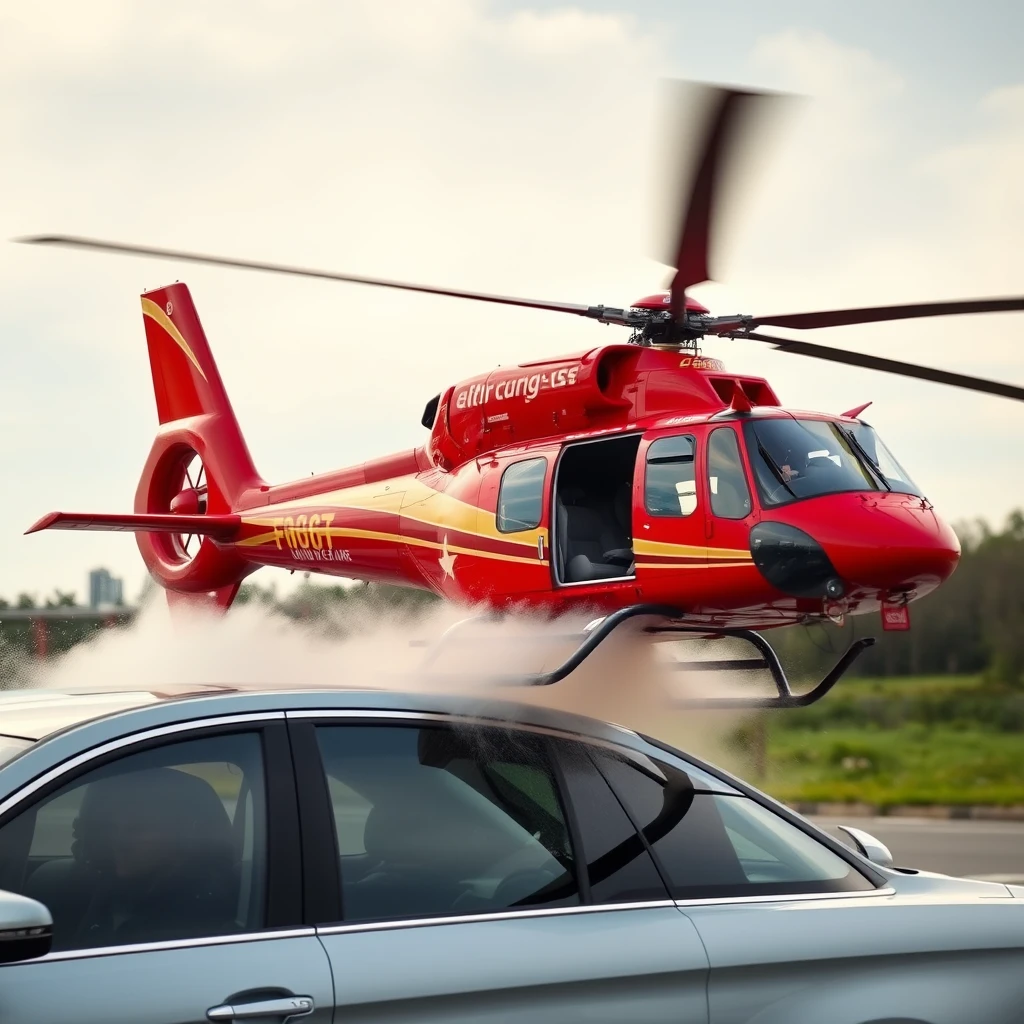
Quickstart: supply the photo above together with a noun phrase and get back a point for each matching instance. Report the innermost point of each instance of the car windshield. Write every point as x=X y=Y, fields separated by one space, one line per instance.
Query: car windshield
x=794 y=459
x=10 y=746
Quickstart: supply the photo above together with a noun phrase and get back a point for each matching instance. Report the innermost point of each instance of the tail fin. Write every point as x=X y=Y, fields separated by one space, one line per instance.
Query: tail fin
x=175 y=502
x=187 y=386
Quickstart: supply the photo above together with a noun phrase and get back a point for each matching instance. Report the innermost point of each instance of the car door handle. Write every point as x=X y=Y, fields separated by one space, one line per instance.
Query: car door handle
x=285 y=1008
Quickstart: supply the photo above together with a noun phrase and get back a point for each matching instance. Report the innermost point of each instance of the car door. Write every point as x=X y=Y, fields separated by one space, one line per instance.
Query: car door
x=466 y=883
x=170 y=864
x=796 y=929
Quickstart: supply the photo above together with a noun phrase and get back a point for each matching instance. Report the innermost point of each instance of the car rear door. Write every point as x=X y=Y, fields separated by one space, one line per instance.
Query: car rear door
x=475 y=872
x=170 y=864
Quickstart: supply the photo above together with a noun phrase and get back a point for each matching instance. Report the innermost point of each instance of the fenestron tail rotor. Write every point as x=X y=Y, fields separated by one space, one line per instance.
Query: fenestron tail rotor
x=190 y=498
x=730 y=117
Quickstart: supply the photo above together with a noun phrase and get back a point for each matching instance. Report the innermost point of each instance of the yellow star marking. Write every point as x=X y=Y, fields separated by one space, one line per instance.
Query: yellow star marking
x=447 y=561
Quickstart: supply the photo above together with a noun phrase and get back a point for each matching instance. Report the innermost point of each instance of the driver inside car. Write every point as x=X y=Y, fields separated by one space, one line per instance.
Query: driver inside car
x=158 y=845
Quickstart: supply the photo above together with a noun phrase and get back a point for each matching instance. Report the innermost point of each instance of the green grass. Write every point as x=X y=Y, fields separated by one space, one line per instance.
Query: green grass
x=913 y=764
x=899 y=685
x=906 y=741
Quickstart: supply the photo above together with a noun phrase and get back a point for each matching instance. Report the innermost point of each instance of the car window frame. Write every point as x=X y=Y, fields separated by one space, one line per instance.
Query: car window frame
x=284 y=883
x=325 y=910
x=688 y=762
x=316 y=811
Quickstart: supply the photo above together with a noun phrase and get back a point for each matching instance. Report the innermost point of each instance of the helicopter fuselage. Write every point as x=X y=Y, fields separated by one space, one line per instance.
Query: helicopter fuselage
x=649 y=477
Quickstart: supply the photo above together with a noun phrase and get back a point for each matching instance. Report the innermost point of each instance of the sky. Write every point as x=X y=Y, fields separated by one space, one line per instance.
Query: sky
x=489 y=145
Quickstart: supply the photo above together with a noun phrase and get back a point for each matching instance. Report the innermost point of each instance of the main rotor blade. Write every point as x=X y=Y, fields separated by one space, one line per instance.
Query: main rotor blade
x=725 y=110
x=607 y=315
x=872 y=314
x=842 y=355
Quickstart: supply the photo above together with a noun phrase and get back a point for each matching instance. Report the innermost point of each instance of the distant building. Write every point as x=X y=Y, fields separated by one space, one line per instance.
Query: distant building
x=104 y=590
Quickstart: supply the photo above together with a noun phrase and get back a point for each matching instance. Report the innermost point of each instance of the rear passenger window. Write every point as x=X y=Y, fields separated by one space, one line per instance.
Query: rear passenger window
x=521 y=496
x=161 y=845
x=715 y=845
x=442 y=821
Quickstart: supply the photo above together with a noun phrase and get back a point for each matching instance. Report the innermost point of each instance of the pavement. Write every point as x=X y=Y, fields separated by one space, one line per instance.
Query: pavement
x=990 y=850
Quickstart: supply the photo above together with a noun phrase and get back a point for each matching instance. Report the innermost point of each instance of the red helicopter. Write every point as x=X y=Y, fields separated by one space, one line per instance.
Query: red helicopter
x=638 y=478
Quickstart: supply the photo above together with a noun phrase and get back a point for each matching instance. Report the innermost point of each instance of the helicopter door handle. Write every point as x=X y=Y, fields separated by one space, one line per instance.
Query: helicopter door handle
x=540 y=547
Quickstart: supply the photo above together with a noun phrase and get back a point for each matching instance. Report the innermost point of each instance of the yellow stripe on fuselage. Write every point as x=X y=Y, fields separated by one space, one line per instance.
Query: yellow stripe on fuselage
x=407 y=497
x=410 y=498
x=693 y=565
x=651 y=547
x=337 y=532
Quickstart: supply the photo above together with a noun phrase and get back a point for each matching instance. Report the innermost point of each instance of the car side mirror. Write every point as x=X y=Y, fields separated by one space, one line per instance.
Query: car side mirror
x=26 y=928
x=868 y=846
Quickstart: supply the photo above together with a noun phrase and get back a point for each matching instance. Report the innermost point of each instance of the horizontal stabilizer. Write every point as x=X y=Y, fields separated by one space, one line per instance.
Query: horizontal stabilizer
x=217 y=527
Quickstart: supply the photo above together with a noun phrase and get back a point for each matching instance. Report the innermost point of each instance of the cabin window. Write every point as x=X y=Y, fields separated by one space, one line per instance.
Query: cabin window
x=521 y=496
x=727 y=483
x=670 y=488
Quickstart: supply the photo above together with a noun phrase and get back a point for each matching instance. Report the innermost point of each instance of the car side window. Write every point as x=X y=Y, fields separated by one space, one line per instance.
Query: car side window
x=521 y=495
x=670 y=487
x=727 y=482
x=165 y=844
x=438 y=821
x=717 y=845
x=618 y=864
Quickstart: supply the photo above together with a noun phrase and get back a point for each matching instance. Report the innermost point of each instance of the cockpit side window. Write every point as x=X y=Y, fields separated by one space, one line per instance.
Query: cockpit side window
x=727 y=483
x=670 y=487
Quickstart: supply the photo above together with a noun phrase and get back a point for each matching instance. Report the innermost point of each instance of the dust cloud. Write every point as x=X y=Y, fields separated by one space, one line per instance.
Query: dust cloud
x=444 y=649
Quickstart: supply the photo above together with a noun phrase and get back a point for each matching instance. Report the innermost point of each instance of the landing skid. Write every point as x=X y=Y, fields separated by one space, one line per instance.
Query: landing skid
x=597 y=631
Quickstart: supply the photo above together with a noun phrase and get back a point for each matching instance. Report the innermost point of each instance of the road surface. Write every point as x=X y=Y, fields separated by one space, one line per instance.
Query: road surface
x=976 y=849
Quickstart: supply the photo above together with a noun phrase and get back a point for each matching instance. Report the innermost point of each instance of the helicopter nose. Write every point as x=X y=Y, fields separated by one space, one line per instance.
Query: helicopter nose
x=880 y=543
x=894 y=545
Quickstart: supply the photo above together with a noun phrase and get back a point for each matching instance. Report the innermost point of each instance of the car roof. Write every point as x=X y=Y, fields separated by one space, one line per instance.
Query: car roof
x=59 y=725
x=37 y=713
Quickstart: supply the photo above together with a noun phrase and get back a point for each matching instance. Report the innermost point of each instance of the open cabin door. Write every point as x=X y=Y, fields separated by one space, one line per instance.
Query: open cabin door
x=592 y=525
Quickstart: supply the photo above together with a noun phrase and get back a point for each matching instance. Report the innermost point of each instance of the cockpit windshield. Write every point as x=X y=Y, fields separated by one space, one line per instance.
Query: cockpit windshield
x=895 y=475
x=794 y=459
